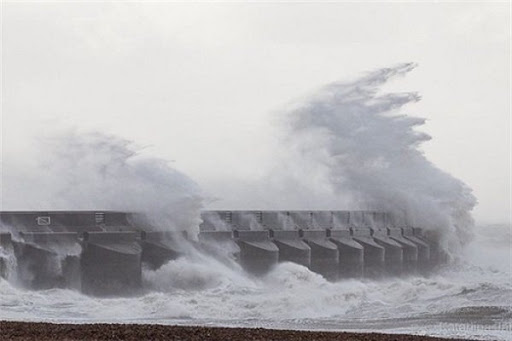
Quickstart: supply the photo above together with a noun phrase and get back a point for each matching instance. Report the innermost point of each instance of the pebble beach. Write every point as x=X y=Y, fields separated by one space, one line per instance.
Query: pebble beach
x=24 y=331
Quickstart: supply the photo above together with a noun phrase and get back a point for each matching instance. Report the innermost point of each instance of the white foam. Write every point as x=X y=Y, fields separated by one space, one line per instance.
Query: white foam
x=198 y=289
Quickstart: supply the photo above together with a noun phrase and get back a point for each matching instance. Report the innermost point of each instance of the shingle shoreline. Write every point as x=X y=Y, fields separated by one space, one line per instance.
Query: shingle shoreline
x=49 y=331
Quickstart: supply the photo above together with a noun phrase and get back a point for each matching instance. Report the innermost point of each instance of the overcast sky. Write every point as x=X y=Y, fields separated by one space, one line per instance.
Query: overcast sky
x=201 y=83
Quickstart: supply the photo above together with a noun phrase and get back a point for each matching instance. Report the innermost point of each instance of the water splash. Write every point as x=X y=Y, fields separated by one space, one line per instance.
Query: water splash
x=348 y=142
x=91 y=171
x=363 y=148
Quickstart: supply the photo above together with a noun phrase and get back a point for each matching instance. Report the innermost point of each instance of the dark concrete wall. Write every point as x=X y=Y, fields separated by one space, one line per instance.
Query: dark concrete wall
x=336 y=244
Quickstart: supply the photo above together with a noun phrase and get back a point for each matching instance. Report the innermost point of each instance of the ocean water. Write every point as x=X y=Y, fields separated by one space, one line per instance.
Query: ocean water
x=349 y=146
x=469 y=298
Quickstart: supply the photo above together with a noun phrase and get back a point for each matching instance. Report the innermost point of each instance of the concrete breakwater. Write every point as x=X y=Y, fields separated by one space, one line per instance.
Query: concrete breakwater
x=104 y=252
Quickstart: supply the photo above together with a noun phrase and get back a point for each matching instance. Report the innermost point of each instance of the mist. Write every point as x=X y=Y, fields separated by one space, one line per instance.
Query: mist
x=351 y=145
x=200 y=84
x=71 y=169
x=348 y=145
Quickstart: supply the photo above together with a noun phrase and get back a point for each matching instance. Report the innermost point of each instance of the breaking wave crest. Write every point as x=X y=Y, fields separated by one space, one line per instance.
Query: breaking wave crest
x=357 y=143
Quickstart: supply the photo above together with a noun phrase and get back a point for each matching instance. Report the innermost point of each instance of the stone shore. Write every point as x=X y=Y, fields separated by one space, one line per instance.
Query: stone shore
x=48 y=331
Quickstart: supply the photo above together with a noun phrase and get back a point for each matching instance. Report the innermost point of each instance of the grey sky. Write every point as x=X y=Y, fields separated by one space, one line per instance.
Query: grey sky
x=201 y=83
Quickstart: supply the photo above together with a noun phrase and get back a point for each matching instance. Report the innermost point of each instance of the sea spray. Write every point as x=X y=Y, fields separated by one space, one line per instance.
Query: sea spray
x=8 y=261
x=358 y=143
x=73 y=170
x=197 y=271
x=331 y=153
